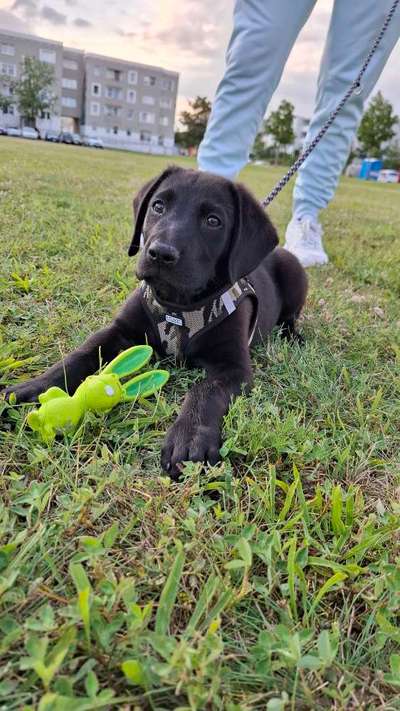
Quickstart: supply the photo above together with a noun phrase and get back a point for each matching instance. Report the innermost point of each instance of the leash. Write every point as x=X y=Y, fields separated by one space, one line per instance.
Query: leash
x=354 y=88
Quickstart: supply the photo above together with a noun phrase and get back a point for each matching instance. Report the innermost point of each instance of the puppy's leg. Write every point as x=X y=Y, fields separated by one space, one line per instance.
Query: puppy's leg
x=196 y=434
x=127 y=329
x=291 y=280
x=288 y=330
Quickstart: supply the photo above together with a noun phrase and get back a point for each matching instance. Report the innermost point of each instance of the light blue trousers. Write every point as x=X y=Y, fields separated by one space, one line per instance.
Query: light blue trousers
x=263 y=35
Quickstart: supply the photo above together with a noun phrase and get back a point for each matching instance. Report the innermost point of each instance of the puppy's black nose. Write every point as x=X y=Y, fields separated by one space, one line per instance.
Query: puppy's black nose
x=165 y=254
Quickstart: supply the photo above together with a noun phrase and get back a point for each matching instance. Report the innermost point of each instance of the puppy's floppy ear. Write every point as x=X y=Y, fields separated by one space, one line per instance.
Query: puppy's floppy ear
x=254 y=236
x=141 y=203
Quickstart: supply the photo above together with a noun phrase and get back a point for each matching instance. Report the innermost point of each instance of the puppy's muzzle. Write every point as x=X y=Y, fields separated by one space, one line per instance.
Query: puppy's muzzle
x=163 y=254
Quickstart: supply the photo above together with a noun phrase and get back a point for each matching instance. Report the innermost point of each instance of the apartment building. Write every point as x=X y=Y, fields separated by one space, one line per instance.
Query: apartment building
x=128 y=105
x=13 y=48
x=72 y=88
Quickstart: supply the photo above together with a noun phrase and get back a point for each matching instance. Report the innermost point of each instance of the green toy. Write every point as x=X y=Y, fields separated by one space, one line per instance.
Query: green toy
x=60 y=413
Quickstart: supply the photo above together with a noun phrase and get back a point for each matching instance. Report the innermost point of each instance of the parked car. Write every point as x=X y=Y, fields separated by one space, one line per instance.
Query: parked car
x=52 y=136
x=28 y=132
x=77 y=139
x=389 y=176
x=93 y=142
x=14 y=132
x=66 y=137
x=3 y=131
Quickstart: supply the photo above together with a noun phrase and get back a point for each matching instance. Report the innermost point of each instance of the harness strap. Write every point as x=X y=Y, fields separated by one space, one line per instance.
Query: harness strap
x=175 y=328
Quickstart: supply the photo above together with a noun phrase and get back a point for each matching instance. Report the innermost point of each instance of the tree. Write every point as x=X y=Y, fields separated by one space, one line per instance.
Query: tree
x=280 y=125
x=194 y=122
x=33 y=91
x=392 y=157
x=376 y=126
x=259 y=150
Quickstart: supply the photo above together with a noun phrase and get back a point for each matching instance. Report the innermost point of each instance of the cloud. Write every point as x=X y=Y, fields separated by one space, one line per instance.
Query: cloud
x=53 y=16
x=124 y=33
x=28 y=8
x=194 y=28
x=81 y=22
x=9 y=21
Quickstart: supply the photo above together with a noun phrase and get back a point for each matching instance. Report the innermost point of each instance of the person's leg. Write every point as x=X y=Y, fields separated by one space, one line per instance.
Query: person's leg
x=263 y=35
x=353 y=29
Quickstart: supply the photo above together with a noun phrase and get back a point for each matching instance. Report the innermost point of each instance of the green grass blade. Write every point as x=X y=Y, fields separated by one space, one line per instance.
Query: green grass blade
x=338 y=526
x=288 y=501
x=83 y=588
x=206 y=595
x=223 y=601
x=169 y=593
x=330 y=583
x=291 y=563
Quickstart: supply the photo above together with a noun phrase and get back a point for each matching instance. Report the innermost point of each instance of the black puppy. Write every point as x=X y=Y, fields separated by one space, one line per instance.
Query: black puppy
x=214 y=281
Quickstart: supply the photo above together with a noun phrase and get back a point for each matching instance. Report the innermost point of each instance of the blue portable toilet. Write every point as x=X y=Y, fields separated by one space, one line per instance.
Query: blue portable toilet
x=370 y=168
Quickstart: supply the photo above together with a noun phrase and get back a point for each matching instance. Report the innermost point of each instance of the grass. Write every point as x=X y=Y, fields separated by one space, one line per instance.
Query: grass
x=268 y=582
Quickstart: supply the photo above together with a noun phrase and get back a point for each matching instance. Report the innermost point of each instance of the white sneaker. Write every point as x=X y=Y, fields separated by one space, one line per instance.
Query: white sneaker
x=304 y=240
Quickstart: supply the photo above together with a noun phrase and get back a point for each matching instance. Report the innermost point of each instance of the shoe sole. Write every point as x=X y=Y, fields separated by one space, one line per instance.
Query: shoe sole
x=306 y=262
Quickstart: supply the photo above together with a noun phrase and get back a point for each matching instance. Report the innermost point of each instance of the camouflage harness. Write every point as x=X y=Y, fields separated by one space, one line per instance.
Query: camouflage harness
x=175 y=328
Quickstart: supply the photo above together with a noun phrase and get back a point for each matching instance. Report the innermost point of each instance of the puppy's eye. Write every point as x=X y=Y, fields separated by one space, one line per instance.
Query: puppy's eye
x=213 y=221
x=158 y=207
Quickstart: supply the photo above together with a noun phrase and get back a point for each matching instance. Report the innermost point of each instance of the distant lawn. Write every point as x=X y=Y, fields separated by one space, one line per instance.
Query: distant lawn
x=269 y=582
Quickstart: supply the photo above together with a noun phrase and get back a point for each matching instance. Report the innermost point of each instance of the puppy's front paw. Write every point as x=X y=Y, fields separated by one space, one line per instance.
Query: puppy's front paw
x=28 y=391
x=186 y=442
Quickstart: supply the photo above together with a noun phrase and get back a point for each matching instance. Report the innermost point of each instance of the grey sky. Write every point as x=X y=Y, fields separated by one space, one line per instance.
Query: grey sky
x=189 y=37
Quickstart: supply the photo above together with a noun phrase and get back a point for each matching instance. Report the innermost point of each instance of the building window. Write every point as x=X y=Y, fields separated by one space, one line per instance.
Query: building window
x=45 y=115
x=161 y=140
x=69 y=83
x=132 y=76
x=97 y=70
x=145 y=136
x=94 y=108
x=130 y=114
x=149 y=100
x=115 y=130
x=9 y=70
x=70 y=64
x=164 y=121
x=7 y=49
x=149 y=80
x=131 y=96
x=96 y=89
x=114 y=74
x=128 y=132
x=166 y=103
x=146 y=117
x=113 y=92
x=167 y=84
x=47 y=55
x=110 y=110
x=68 y=101
x=8 y=110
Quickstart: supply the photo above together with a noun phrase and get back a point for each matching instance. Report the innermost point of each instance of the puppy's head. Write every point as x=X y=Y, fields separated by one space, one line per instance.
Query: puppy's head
x=200 y=232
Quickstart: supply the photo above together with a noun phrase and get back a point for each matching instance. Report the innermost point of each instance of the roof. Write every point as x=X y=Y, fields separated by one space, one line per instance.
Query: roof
x=104 y=57
x=23 y=35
